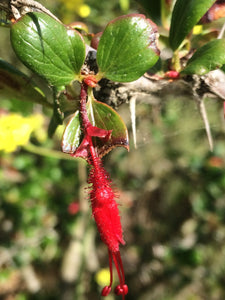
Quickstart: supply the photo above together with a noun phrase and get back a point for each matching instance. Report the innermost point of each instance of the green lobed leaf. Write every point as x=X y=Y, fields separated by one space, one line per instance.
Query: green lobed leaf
x=103 y=116
x=16 y=85
x=48 y=48
x=185 y=16
x=127 y=48
x=207 y=58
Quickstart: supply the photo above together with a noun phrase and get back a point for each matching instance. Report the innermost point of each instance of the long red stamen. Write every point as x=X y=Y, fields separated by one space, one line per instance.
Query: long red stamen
x=110 y=268
x=107 y=289
x=121 y=266
x=122 y=288
x=118 y=267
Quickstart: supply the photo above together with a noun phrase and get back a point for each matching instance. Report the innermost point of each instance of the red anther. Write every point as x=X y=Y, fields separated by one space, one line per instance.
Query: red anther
x=106 y=290
x=118 y=290
x=125 y=289
x=121 y=289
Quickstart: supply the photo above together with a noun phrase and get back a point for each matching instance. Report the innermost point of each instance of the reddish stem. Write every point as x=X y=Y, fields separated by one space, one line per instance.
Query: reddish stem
x=86 y=123
x=83 y=110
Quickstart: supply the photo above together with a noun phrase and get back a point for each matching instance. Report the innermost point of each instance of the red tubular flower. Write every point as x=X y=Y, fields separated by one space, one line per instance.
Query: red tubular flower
x=106 y=214
x=73 y=208
x=103 y=199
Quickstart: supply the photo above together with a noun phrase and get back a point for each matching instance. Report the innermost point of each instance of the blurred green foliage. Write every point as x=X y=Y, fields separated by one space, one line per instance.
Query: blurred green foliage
x=172 y=206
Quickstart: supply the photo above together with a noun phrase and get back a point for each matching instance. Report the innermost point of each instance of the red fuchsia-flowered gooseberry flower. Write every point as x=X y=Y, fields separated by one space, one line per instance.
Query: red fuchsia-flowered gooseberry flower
x=104 y=206
x=73 y=208
x=106 y=214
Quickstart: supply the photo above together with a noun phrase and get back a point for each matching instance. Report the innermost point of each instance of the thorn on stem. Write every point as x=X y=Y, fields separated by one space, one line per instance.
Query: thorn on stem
x=205 y=119
x=133 y=119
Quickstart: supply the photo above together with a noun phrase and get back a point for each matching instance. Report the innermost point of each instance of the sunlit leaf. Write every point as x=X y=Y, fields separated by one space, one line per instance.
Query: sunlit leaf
x=185 y=16
x=209 y=57
x=127 y=48
x=48 y=48
x=103 y=116
x=72 y=134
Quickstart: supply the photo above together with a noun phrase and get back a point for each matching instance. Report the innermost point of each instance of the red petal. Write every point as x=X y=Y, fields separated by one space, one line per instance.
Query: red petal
x=98 y=132
x=83 y=150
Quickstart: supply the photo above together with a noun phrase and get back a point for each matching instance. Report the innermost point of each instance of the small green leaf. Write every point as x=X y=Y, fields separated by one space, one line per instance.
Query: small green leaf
x=48 y=48
x=209 y=57
x=103 y=116
x=185 y=16
x=72 y=134
x=127 y=48
x=16 y=85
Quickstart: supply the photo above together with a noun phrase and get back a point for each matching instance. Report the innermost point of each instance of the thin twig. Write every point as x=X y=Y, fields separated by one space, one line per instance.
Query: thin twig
x=133 y=119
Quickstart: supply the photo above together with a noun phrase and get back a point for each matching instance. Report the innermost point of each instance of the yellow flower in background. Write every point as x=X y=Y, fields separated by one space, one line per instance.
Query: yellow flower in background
x=197 y=29
x=84 y=11
x=15 y=130
x=102 y=277
x=77 y=6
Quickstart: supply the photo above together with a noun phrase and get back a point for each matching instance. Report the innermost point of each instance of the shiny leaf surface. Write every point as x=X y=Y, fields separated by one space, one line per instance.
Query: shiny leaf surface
x=127 y=48
x=209 y=57
x=103 y=116
x=185 y=16
x=72 y=134
x=48 y=48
